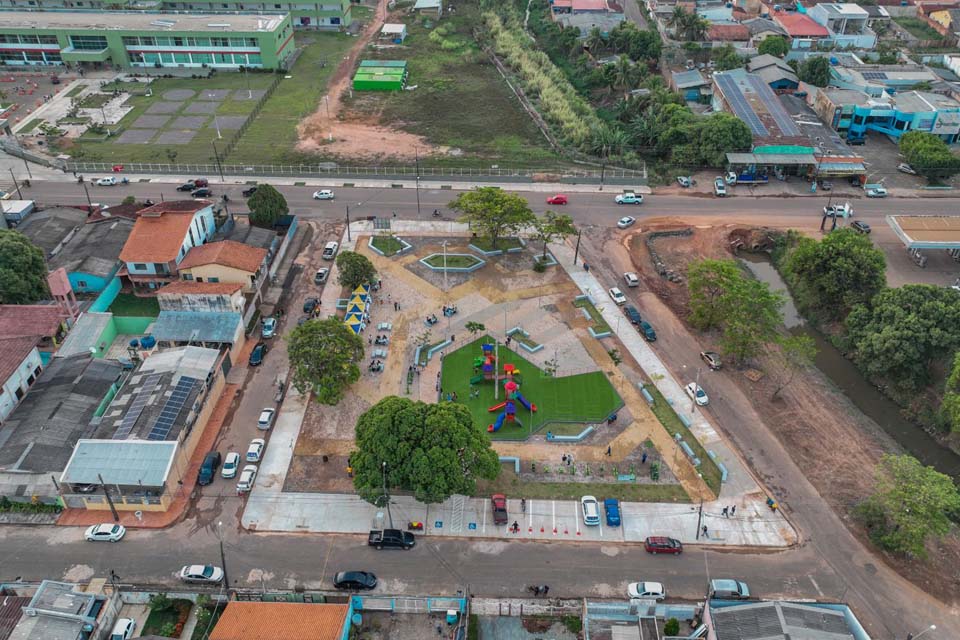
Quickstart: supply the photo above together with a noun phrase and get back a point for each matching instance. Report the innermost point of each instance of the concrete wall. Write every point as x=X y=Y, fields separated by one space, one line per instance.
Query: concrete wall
x=88 y=283
x=106 y=298
x=218 y=273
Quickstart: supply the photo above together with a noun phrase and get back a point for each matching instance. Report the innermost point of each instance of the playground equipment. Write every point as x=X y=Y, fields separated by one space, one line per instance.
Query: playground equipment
x=487 y=365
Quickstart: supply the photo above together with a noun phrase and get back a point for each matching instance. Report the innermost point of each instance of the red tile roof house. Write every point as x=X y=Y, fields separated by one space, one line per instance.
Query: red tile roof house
x=20 y=364
x=728 y=33
x=802 y=31
x=161 y=238
x=45 y=324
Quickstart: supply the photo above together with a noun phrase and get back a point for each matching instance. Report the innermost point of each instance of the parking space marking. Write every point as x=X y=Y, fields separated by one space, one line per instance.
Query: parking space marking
x=554 y=503
x=576 y=515
x=530 y=517
x=484 y=522
x=816 y=586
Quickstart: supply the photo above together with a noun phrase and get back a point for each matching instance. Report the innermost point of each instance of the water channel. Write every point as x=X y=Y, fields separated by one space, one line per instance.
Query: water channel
x=845 y=375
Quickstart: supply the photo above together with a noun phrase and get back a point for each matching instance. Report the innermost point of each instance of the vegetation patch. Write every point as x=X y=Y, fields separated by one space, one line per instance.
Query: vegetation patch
x=30 y=126
x=508 y=483
x=9 y=506
x=599 y=324
x=129 y=305
x=503 y=244
x=95 y=100
x=167 y=616
x=673 y=424
x=452 y=261
x=389 y=245
x=77 y=90
x=919 y=29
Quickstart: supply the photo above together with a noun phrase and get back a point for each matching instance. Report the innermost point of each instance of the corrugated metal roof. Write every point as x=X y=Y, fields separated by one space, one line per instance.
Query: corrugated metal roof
x=688 y=79
x=123 y=462
x=197 y=326
x=791 y=159
x=85 y=334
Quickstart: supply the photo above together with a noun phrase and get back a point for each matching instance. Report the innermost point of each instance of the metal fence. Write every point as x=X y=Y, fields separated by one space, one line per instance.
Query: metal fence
x=253 y=171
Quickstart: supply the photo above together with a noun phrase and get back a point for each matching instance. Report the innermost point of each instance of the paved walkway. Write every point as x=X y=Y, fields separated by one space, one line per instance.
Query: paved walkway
x=268 y=508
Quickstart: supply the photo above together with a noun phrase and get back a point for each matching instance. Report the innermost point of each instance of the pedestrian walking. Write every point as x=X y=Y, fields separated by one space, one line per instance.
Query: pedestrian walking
x=569 y=460
x=643 y=458
x=546 y=589
x=725 y=512
x=389 y=298
x=453 y=338
x=563 y=458
x=438 y=375
x=705 y=531
x=609 y=452
x=733 y=510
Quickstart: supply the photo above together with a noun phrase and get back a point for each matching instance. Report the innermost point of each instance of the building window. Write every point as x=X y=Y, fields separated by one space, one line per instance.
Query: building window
x=188 y=276
x=139 y=266
x=88 y=43
x=19 y=393
x=30 y=380
x=203 y=224
x=82 y=284
x=37 y=371
x=193 y=240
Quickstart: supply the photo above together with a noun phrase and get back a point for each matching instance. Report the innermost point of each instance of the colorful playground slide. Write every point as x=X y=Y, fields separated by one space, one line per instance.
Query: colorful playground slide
x=497 y=423
x=526 y=405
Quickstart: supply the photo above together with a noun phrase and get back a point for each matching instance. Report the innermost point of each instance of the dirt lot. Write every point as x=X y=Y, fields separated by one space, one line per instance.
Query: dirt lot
x=835 y=444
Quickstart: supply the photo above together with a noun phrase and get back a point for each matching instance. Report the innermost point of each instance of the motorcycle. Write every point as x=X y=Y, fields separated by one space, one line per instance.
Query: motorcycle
x=415 y=525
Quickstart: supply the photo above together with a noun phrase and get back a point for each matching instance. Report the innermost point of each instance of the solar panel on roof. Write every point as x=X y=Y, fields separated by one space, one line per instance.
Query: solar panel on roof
x=136 y=407
x=774 y=107
x=171 y=409
x=874 y=75
x=739 y=104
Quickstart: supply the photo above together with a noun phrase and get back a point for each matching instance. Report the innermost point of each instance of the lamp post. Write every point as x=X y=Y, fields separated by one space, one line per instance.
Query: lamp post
x=910 y=636
x=386 y=496
x=216 y=157
x=416 y=152
x=223 y=557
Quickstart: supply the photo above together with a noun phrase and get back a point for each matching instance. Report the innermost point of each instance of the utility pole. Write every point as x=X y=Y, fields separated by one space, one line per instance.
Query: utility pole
x=385 y=494
x=576 y=251
x=348 y=223
x=17 y=186
x=26 y=164
x=106 y=492
x=603 y=167
x=416 y=152
x=223 y=557
x=693 y=405
x=87 y=193
x=217 y=158
x=700 y=519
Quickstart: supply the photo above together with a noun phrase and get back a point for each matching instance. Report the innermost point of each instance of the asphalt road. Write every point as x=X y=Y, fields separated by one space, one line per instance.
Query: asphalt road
x=592 y=208
x=828 y=565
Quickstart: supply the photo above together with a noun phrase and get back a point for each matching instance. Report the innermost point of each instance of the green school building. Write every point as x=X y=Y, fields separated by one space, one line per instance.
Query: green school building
x=306 y=14
x=139 y=39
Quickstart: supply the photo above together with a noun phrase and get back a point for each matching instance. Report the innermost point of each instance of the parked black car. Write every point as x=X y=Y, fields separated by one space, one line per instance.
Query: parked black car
x=211 y=462
x=256 y=356
x=249 y=192
x=310 y=304
x=631 y=312
x=187 y=186
x=355 y=580
x=860 y=227
x=202 y=193
x=648 y=331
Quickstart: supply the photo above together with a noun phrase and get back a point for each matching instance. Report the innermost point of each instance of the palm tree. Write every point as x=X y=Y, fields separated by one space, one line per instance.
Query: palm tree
x=696 y=28
x=624 y=74
x=595 y=41
x=677 y=19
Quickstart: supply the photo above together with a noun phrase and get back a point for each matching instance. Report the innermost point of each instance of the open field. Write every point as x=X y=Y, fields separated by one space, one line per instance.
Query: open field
x=460 y=102
x=583 y=398
x=919 y=29
x=129 y=305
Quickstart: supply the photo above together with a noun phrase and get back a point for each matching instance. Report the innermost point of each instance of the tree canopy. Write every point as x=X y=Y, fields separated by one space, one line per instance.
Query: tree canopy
x=493 y=212
x=905 y=332
x=950 y=405
x=23 y=270
x=324 y=356
x=774 y=46
x=355 y=269
x=815 y=71
x=836 y=273
x=267 y=205
x=553 y=226
x=911 y=503
x=433 y=450
x=744 y=309
x=928 y=155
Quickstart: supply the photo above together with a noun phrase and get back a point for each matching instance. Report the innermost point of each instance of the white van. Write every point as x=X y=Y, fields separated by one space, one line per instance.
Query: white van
x=330 y=250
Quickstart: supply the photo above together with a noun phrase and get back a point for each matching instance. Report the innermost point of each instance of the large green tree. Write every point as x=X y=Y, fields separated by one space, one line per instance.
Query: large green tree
x=815 y=71
x=23 y=271
x=905 y=332
x=720 y=134
x=774 y=46
x=324 y=356
x=797 y=353
x=553 y=226
x=836 y=273
x=493 y=212
x=266 y=206
x=434 y=450
x=950 y=405
x=355 y=269
x=910 y=504
x=744 y=309
x=928 y=155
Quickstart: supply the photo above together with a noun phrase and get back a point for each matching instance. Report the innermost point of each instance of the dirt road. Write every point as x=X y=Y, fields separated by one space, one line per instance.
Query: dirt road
x=790 y=448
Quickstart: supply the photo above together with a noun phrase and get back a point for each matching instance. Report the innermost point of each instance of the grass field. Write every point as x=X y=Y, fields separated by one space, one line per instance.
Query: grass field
x=461 y=100
x=588 y=397
x=508 y=483
x=919 y=29
x=273 y=134
x=200 y=149
x=30 y=126
x=451 y=261
x=599 y=324
x=388 y=244
x=129 y=305
x=76 y=90
x=503 y=244
x=672 y=423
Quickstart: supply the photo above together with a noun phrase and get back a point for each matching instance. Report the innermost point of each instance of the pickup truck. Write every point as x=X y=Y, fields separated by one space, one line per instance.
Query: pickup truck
x=391 y=539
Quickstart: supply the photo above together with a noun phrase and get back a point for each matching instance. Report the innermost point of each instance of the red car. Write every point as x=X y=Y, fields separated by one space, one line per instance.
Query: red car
x=499 y=502
x=200 y=183
x=557 y=199
x=661 y=544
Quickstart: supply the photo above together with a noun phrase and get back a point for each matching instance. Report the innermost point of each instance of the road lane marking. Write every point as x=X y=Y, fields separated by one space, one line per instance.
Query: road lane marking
x=554 y=503
x=816 y=586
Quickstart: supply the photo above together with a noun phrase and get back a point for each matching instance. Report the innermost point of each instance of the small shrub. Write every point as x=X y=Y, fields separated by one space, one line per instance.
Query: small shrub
x=539 y=267
x=655 y=471
x=671 y=627
x=573 y=623
x=168 y=630
x=160 y=602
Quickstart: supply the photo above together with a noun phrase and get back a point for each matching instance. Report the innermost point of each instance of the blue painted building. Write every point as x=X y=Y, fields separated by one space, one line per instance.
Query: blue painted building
x=91 y=255
x=858 y=114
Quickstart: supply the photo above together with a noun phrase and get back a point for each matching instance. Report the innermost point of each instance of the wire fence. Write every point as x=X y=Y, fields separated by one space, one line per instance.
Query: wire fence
x=253 y=171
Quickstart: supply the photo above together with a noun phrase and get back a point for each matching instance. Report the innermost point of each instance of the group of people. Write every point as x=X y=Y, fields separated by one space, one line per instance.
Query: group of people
x=380 y=340
x=539 y=590
x=448 y=311
x=375 y=365
x=432 y=319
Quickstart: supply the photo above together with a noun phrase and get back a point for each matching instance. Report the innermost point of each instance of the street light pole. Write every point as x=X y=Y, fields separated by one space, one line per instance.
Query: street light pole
x=223 y=557
x=416 y=152
x=576 y=251
x=216 y=156
x=348 y=224
x=385 y=494
x=87 y=192
x=910 y=636
x=15 y=184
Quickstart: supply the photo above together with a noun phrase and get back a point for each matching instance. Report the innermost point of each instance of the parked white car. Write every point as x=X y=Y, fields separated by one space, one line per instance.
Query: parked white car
x=108 y=532
x=877 y=192
x=719 y=187
x=647 y=590
x=626 y=221
x=696 y=392
x=247 y=478
x=617 y=296
x=629 y=198
x=323 y=194
x=255 y=450
x=107 y=182
x=231 y=464
x=201 y=573
x=591 y=511
x=265 y=421
x=631 y=279
x=123 y=629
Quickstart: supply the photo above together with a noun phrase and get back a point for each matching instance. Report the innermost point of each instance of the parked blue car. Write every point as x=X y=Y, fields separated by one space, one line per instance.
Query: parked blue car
x=612 y=507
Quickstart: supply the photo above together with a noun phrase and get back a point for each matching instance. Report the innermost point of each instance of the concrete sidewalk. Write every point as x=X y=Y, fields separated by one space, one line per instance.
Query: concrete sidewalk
x=268 y=508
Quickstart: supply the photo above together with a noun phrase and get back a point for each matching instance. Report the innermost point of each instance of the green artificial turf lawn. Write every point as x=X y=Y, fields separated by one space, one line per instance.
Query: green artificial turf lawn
x=587 y=397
